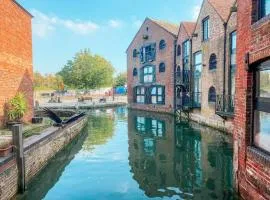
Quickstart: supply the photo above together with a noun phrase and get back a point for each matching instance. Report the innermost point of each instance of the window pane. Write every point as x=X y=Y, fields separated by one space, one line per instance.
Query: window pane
x=159 y=91
x=159 y=99
x=142 y=90
x=198 y=58
x=150 y=69
x=154 y=99
x=262 y=130
x=154 y=90
x=267 y=7
x=145 y=70
x=265 y=83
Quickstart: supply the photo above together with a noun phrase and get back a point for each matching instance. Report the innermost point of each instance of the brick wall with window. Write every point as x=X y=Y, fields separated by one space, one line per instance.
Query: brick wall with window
x=208 y=41
x=155 y=47
x=16 y=72
x=252 y=103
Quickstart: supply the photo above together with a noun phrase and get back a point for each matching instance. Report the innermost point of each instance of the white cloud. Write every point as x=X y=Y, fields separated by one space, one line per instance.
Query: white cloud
x=196 y=10
x=115 y=23
x=44 y=24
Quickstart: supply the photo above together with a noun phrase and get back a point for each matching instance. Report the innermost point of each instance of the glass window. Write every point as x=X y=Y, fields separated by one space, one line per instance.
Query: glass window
x=262 y=107
x=264 y=8
x=148 y=74
x=197 y=78
x=157 y=95
x=205 y=29
x=140 y=95
x=262 y=130
x=135 y=72
x=162 y=44
x=212 y=95
x=213 y=62
x=185 y=55
x=232 y=62
x=178 y=50
x=134 y=53
x=148 y=53
x=264 y=84
x=162 y=67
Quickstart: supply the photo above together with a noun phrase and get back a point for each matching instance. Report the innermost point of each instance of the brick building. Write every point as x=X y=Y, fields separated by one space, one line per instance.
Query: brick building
x=252 y=103
x=16 y=70
x=150 y=62
x=206 y=86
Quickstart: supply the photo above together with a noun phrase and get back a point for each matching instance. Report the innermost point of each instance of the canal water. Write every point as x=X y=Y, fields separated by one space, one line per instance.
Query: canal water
x=125 y=154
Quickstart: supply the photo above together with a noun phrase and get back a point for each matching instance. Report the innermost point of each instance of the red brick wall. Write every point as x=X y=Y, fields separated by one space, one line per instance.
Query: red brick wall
x=16 y=71
x=251 y=166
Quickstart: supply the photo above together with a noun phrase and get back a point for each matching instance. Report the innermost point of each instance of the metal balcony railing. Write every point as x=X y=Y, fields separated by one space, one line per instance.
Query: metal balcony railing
x=225 y=105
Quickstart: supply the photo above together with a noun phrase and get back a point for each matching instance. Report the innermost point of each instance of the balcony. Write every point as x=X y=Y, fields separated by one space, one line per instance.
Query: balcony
x=225 y=106
x=187 y=102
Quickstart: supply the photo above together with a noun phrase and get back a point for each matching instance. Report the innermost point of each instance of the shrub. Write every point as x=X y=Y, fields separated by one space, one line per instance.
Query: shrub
x=17 y=107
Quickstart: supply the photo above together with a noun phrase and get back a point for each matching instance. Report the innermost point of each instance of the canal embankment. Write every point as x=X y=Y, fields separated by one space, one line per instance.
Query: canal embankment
x=37 y=151
x=81 y=106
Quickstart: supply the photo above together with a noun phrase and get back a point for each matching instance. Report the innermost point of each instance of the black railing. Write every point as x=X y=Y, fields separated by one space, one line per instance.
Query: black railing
x=186 y=102
x=225 y=105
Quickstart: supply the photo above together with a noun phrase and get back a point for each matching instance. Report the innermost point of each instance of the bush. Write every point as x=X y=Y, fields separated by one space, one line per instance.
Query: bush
x=17 y=107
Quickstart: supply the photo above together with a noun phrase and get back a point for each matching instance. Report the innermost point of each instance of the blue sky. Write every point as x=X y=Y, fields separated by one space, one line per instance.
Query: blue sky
x=63 y=27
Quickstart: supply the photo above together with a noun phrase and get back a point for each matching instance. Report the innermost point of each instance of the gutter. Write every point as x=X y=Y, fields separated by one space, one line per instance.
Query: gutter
x=174 y=76
x=225 y=61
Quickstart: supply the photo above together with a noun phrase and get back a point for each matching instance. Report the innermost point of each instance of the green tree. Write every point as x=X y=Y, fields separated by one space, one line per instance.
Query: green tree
x=66 y=73
x=120 y=79
x=87 y=71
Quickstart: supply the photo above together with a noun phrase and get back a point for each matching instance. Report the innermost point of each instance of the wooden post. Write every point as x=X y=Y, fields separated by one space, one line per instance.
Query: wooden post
x=17 y=135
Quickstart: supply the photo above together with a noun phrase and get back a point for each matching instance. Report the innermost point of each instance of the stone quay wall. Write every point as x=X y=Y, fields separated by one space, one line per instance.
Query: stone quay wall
x=38 y=150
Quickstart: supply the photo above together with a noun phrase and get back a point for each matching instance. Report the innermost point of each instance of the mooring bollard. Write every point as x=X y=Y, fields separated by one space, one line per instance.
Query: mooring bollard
x=17 y=135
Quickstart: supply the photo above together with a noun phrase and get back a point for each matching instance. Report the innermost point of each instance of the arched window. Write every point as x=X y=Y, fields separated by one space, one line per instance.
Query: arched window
x=213 y=61
x=212 y=95
x=162 y=44
x=178 y=50
x=134 y=53
x=135 y=72
x=162 y=67
x=178 y=71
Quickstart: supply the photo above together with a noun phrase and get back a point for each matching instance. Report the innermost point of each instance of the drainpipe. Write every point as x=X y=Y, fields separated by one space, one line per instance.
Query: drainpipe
x=174 y=75
x=224 y=63
x=191 y=72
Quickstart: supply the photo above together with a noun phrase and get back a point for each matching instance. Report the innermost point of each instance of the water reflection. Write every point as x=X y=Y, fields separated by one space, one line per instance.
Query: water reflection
x=180 y=161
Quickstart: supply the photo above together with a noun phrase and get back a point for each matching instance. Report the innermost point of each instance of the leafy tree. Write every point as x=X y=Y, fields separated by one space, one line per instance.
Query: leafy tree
x=120 y=80
x=87 y=71
x=48 y=81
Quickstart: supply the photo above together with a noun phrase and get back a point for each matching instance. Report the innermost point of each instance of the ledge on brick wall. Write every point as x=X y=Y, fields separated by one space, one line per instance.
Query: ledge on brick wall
x=259 y=156
x=260 y=22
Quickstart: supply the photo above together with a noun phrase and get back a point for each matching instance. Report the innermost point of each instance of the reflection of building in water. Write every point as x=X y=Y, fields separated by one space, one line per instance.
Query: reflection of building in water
x=183 y=160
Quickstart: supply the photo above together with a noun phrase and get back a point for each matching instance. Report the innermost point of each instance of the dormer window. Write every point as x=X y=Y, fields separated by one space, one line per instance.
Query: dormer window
x=264 y=8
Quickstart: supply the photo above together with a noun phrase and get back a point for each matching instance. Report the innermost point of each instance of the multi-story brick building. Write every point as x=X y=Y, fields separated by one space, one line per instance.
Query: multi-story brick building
x=16 y=71
x=150 y=62
x=208 y=62
x=252 y=103
x=204 y=65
